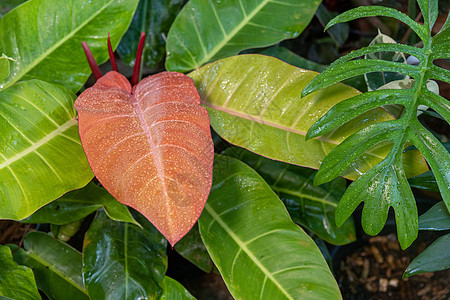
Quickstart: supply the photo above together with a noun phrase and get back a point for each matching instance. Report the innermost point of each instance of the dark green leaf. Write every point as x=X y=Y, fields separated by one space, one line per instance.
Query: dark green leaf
x=153 y=17
x=339 y=32
x=313 y=207
x=173 y=290
x=436 y=218
x=425 y=181
x=435 y=258
x=123 y=261
x=207 y=30
x=56 y=55
x=16 y=282
x=79 y=204
x=41 y=154
x=191 y=247
x=258 y=250
x=56 y=266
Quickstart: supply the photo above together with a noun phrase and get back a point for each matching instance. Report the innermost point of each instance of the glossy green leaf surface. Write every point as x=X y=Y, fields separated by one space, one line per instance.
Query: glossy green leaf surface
x=207 y=30
x=254 y=102
x=172 y=290
x=425 y=181
x=65 y=232
x=56 y=55
x=56 y=266
x=41 y=156
x=436 y=218
x=385 y=185
x=16 y=282
x=434 y=258
x=258 y=250
x=122 y=260
x=153 y=17
x=78 y=204
x=312 y=207
x=192 y=248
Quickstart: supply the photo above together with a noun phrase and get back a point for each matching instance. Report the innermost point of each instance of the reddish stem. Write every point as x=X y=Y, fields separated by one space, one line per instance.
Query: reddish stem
x=91 y=60
x=111 y=56
x=137 y=65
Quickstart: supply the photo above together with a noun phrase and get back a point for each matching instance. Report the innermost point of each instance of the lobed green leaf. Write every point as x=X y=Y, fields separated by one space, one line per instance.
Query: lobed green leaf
x=372 y=11
x=353 y=68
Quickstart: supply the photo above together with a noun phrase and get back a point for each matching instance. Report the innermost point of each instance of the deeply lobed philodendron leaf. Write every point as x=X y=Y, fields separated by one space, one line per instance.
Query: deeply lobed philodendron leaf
x=150 y=146
x=385 y=185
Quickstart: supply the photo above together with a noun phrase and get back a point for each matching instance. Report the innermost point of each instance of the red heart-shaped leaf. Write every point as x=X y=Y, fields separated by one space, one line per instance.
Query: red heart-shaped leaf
x=150 y=146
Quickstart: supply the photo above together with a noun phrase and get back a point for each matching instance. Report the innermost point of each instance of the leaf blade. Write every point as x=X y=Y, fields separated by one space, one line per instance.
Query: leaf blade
x=237 y=192
x=234 y=22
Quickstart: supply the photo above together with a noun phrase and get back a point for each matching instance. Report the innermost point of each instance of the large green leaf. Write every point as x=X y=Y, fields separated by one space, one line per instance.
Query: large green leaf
x=191 y=247
x=123 y=261
x=258 y=250
x=41 y=156
x=153 y=17
x=310 y=206
x=78 y=204
x=254 y=102
x=207 y=30
x=173 y=290
x=56 y=55
x=56 y=266
x=16 y=282
x=435 y=258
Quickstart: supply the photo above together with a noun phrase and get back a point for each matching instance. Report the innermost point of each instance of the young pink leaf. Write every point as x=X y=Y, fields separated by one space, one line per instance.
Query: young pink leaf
x=150 y=146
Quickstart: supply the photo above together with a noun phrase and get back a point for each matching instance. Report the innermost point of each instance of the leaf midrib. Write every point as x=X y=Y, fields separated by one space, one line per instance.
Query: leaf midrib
x=39 y=143
x=46 y=53
x=244 y=248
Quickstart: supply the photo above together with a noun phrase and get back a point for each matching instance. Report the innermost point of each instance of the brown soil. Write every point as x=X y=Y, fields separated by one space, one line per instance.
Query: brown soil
x=375 y=270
